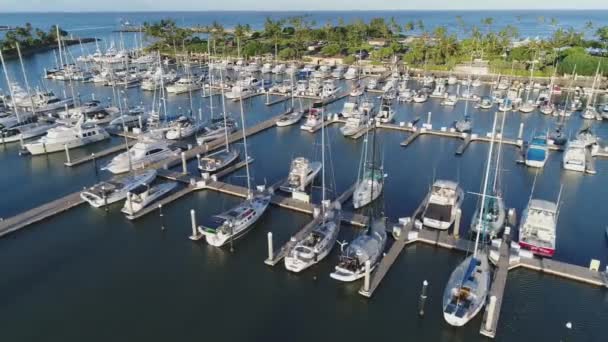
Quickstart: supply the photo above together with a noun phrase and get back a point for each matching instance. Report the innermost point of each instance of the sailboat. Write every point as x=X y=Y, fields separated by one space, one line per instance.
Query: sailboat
x=367 y=247
x=370 y=180
x=465 y=124
x=590 y=113
x=467 y=289
x=317 y=244
x=293 y=116
x=529 y=106
x=232 y=224
x=218 y=160
x=495 y=213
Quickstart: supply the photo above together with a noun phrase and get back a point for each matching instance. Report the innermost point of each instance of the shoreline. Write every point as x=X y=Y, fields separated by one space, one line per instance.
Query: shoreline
x=10 y=55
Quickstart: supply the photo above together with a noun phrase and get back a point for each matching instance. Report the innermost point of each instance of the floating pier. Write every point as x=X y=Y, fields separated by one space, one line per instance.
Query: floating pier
x=497 y=290
x=40 y=213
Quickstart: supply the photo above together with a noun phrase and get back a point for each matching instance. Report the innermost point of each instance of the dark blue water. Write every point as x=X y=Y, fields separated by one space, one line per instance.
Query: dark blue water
x=87 y=274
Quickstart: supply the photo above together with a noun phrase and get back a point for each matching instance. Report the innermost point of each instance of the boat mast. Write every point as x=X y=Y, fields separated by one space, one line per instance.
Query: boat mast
x=485 y=185
x=496 y=172
x=59 y=45
x=245 y=144
x=323 y=155
x=223 y=108
x=10 y=88
x=27 y=85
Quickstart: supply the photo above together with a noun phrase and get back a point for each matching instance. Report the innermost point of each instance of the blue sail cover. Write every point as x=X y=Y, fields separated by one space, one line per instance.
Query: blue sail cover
x=536 y=154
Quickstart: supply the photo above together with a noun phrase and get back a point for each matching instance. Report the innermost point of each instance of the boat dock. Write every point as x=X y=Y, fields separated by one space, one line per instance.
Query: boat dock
x=40 y=213
x=497 y=289
x=100 y=154
x=389 y=259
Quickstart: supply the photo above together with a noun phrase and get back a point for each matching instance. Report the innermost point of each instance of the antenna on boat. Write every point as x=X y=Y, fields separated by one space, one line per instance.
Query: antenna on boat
x=559 y=200
x=342 y=245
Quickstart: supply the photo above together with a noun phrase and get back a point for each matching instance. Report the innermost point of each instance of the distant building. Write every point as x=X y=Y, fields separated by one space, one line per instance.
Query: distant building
x=478 y=67
x=377 y=42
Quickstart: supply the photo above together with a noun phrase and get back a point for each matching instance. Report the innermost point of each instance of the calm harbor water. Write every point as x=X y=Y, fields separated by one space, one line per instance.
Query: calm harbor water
x=88 y=274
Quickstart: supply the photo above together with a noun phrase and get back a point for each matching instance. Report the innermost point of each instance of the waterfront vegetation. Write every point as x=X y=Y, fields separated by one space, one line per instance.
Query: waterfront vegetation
x=411 y=42
x=29 y=38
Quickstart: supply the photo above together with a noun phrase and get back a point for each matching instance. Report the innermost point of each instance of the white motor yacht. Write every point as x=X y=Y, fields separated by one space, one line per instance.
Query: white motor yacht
x=144 y=195
x=142 y=154
x=445 y=199
x=301 y=174
x=537 y=230
x=60 y=137
x=106 y=193
x=183 y=127
x=575 y=156
x=314 y=119
x=184 y=85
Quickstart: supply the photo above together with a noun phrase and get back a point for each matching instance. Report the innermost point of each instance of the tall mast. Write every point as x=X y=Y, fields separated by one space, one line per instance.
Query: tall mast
x=59 y=46
x=323 y=153
x=245 y=144
x=223 y=108
x=485 y=185
x=10 y=88
x=27 y=85
x=502 y=127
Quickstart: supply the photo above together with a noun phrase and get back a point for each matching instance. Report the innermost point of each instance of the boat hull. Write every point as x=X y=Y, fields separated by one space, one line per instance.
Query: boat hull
x=540 y=251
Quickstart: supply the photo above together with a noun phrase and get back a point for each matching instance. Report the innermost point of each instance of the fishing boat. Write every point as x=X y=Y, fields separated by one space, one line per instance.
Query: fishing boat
x=537 y=152
x=355 y=123
x=444 y=201
x=301 y=174
x=314 y=118
x=451 y=100
x=112 y=191
x=386 y=113
x=575 y=156
x=420 y=97
x=61 y=137
x=537 y=229
x=144 y=195
x=329 y=89
x=143 y=153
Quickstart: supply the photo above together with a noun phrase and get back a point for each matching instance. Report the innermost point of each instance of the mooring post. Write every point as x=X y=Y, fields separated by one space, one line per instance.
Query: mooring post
x=270 y=247
x=184 y=166
x=21 y=140
x=193 y=221
x=425 y=285
x=428 y=119
x=267 y=96
x=368 y=267
x=141 y=124
x=105 y=198
x=490 y=316
x=160 y=216
x=521 y=131
x=200 y=114
x=198 y=159
x=129 y=203
x=457 y=223
x=67 y=153
x=44 y=147
x=95 y=166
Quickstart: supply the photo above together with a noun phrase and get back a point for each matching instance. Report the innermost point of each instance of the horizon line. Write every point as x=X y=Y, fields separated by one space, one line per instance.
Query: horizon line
x=309 y=10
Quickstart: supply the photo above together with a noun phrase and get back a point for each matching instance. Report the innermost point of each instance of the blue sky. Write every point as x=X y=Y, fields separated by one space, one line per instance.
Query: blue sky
x=172 y=5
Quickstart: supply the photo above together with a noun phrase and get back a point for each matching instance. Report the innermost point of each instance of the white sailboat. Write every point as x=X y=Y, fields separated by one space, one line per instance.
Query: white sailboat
x=234 y=223
x=317 y=244
x=467 y=289
x=370 y=179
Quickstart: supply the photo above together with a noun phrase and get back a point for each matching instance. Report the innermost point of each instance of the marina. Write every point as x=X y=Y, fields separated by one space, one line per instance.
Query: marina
x=153 y=211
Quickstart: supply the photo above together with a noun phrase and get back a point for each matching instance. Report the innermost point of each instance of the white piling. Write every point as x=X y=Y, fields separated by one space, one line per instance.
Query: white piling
x=67 y=154
x=270 y=247
x=428 y=119
x=141 y=124
x=521 y=131
x=457 y=223
x=21 y=140
x=267 y=97
x=184 y=165
x=130 y=203
x=368 y=267
x=490 y=316
x=200 y=114
x=193 y=220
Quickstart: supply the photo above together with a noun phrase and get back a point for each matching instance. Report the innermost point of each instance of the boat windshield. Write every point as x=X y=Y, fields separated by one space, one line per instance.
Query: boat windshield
x=442 y=213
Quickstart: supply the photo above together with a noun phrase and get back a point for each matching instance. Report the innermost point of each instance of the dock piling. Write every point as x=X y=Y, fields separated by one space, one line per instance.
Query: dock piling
x=160 y=216
x=130 y=203
x=425 y=285
x=457 y=223
x=67 y=154
x=184 y=164
x=21 y=141
x=491 y=308
x=193 y=220
x=105 y=198
x=367 y=276
x=270 y=247
x=141 y=124
x=520 y=134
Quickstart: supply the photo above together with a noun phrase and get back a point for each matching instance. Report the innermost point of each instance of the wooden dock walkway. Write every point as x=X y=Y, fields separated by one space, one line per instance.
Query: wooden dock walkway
x=100 y=154
x=497 y=290
x=389 y=259
x=277 y=101
x=410 y=139
x=40 y=213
